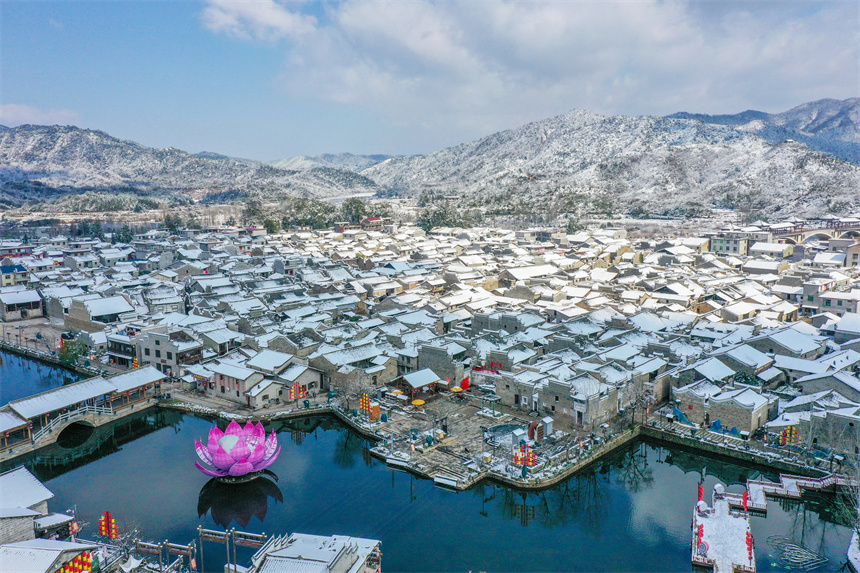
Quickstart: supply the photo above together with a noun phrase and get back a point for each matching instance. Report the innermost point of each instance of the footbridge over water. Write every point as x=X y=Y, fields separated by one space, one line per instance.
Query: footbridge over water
x=36 y=421
x=789 y=487
x=823 y=230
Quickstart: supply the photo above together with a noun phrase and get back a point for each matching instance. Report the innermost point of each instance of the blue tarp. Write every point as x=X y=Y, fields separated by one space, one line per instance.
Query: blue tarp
x=681 y=417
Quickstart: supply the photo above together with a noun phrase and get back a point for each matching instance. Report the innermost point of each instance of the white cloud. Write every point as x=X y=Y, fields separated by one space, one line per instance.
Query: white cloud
x=12 y=114
x=255 y=19
x=473 y=67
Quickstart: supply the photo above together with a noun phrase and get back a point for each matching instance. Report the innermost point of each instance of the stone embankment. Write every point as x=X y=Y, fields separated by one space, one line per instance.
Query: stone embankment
x=728 y=450
x=50 y=359
x=456 y=471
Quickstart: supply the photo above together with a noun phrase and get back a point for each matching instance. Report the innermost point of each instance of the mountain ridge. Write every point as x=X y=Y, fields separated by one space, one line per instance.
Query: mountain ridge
x=575 y=162
x=48 y=162
x=657 y=165
x=827 y=125
x=346 y=161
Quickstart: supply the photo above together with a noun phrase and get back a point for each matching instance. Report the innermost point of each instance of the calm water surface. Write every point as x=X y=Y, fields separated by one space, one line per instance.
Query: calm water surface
x=631 y=513
x=21 y=377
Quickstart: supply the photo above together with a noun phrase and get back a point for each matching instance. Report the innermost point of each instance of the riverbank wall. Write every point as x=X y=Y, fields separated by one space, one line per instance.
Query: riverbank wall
x=49 y=359
x=661 y=436
x=553 y=471
x=296 y=413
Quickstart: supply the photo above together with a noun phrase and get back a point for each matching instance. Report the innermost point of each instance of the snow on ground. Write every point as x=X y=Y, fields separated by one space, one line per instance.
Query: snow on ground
x=854 y=551
x=725 y=535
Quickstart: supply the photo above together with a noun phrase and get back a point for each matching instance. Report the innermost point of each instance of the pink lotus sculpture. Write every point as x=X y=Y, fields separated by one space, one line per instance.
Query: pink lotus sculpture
x=237 y=451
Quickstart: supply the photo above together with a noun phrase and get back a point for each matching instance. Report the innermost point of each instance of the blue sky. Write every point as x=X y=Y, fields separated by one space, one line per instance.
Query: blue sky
x=266 y=79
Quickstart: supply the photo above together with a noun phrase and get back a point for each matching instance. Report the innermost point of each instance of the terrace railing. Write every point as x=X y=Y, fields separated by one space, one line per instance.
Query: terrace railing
x=70 y=415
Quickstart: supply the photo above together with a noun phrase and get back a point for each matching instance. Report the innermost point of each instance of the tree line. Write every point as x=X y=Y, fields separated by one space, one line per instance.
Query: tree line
x=303 y=212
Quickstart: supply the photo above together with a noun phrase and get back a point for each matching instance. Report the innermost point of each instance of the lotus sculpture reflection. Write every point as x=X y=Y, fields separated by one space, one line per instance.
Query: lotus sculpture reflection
x=237 y=454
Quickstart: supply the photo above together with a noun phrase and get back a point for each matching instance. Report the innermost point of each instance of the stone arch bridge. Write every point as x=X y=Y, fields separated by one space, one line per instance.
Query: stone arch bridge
x=36 y=421
x=821 y=230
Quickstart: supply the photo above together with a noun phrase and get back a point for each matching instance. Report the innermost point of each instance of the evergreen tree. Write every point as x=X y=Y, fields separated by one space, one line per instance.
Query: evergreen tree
x=172 y=223
x=124 y=235
x=72 y=351
x=354 y=210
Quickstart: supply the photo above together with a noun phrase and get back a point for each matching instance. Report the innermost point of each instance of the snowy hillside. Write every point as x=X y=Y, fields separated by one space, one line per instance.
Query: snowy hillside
x=346 y=161
x=658 y=165
x=52 y=160
x=828 y=125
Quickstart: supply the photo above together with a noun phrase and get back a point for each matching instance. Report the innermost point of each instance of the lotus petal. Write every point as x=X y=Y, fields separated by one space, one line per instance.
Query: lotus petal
x=241 y=468
x=260 y=431
x=267 y=462
x=271 y=444
x=222 y=459
x=252 y=435
x=207 y=471
x=214 y=435
x=203 y=453
x=234 y=429
x=258 y=453
x=240 y=451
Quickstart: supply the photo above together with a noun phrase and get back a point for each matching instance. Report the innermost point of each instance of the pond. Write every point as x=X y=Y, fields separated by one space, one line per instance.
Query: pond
x=629 y=513
x=21 y=377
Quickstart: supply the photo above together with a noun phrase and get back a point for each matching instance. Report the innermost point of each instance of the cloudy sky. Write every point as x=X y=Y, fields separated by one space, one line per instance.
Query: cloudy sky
x=267 y=79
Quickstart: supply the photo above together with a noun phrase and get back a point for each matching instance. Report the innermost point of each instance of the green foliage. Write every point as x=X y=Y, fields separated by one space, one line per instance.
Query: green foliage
x=87 y=228
x=253 y=211
x=72 y=351
x=124 y=235
x=603 y=205
x=172 y=223
x=307 y=213
x=573 y=226
x=686 y=210
x=444 y=216
x=271 y=225
x=430 y=198
x=354 y=210
x=638 y=211
x=223 y=197
x=103 y=202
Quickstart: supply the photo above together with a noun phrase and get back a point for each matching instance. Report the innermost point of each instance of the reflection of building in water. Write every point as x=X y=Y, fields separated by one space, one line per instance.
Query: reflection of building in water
x=55 y=460
x=523 y=513
x=581 y=498
x=298 y=437
x=309 y=553
x=239 y=502
x=306 y=425
x=730 y=473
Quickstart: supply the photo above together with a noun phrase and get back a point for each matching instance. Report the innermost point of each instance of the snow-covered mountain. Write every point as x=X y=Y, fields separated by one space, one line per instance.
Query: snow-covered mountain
x=658 y=165
x=828 y=125
x=38 y=162
x=347 y=161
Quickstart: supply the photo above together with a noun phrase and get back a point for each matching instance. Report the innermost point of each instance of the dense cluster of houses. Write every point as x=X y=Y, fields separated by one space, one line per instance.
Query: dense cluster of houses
x=580 y=326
